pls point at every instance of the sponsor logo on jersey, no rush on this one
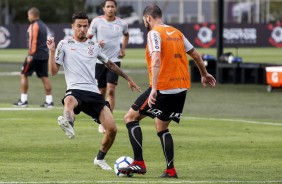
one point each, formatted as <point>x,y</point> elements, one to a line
<point>170,33</point>
<point>155,38</point>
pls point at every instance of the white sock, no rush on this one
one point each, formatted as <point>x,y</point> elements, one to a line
<point>49,98</point>
<point>24,97</point>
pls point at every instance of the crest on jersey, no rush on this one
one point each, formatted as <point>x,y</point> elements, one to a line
<point>90,50</point>
<point>116,28</point>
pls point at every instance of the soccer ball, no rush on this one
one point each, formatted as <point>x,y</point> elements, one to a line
<point>121,162</point>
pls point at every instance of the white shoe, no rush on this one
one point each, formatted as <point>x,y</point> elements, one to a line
<point>66,127</point>
<point>101,129</point>
<point>102,163</point>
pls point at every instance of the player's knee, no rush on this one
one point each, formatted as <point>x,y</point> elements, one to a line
<point>112,131</point>
<point>129,116</point>
<point>102,91</point>
<point>111,93</point>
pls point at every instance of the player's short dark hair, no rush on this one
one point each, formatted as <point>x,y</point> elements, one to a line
<point>153,10</point>
<point>79,15</point>
<point>34,11</point>
<point>104,3</point>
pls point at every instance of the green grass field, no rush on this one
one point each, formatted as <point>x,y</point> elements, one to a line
<point>136,57</point>
<point>228,134</point>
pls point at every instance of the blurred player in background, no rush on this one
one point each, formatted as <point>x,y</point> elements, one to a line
<point>78,56</point>
<point>108,30</point>
<point>169,80</point>
<point>37,59</point>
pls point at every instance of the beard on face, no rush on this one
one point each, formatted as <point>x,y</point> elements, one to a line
<point>148,27</point>
<point>81,37</point>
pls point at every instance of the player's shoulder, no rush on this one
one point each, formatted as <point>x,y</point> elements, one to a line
<point>67,41</point>
<point>163,27</point>
<point>120,21</point>
<point>98,18</point>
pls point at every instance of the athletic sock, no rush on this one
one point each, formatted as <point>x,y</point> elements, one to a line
<point>49,99</point>
<point>101,155</point>
<point>24,97</point>
<point>168,149</point>
<point>135,137</point>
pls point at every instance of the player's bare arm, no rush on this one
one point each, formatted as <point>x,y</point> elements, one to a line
<point>206,77</point>
<point>124,44</point>
<point>156,63</point>
<point>114,68</point>
<point>53,67</point>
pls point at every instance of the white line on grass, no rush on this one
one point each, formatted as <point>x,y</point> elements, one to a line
<point>214,119</point>
<point>21,109</point>
<point>183,117</point>
<point>16,73</point>
<point>235,120</point>
<point>137,181</point>
<point>27,108</point>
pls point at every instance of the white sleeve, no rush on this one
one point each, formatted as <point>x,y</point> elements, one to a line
<point>125,29</point>
<point>93,27</point>
<point>154,41</point>
<point>188,46</point>
<point>101,56</point>
<point>60,54</point>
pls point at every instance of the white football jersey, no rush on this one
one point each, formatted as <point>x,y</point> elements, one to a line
<point>111,33</point>
<point>79,60</point>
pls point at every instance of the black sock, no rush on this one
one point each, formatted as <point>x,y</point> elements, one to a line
<point>101,155</point>
<point>168,149</point>
<point>135,137</point>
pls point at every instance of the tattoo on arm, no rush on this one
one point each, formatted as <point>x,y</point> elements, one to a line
<point>114,68</point>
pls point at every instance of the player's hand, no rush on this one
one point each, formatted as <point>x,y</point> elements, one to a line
<point>152,98</point>
<point>29,58</point>
<point>121,54</point>
<point>51,44</point>
<point>132,85</point>
<point>208,79</point>
<point>102,43</point>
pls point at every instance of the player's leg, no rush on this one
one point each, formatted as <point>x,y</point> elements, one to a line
<point>110,93</point>
<point>107,120</point>
<point>42,73</point>
<point>167,146</point>
<point>48,88</point>
<point>26,71</point>
<point>112,82</point>
<point>132,119</point>
<point>24,84</point>
<point>170,106</point>
<point>101,76</point>
<point>66,122</point>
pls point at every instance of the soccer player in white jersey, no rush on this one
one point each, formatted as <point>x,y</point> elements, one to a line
<point>109,30</point>
<point>78,56</point>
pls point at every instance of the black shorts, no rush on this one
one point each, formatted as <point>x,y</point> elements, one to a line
<point>104,75</point>
<point>88,102</point>
<point>37,65</point>
<point>167,107</point>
